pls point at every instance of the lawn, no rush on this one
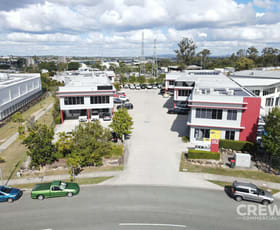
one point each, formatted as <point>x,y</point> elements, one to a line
<point>223,184</point>
<point>80,181</point>
<point>251,174</point>
<point>10,128</point>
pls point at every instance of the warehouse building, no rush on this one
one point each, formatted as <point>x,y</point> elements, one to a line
<point>218,107</point>
<point>84,95</point>
<point>16,91</point>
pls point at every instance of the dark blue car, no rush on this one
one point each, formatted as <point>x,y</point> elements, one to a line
<point>9,194</point>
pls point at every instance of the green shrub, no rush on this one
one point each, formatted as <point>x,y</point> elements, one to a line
<point>117,150</point>
<point>238,145</point>
<point>200,154</point>
<point>185,139</point>
<point>2,160</point>
<point>58,120</point>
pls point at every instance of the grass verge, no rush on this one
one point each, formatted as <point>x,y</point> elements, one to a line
<point>251,174</point>
<point>223,184</point>
<point>80,181</point>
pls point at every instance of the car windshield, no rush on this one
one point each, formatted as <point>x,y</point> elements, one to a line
<point>260,191</point>
<point>6,189</point>
<point>62,185</point>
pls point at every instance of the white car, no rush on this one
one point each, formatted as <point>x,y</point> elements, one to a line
<point>154,86</point>
<point>149,87</point>
<point>123,98</point>
<point>131,86</point>
<point>138,87</point>
<point>83,119</point>
<point>126,86</point>
<point>94,116</point>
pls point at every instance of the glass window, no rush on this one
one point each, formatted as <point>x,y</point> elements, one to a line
<point>268,91</point>
<point>99,100</point>
<point>269,101</point>
<point>73,100</point>
<point>230,135</point>
<point>232,115</point>
<point>199,134</point>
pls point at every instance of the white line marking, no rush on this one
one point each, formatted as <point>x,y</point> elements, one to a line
<point>150,224</point>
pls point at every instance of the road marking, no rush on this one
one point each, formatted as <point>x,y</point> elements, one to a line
<point>150,224</point>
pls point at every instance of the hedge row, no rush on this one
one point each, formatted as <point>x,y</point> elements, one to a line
<point>238,145</point>
<point>200,154</point>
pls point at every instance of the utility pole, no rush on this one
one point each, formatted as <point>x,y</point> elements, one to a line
<point>142,60</point>
<point>155,66</point>
<point>1,176</point>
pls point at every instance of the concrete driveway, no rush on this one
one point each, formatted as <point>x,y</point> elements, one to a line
<point>155,145</point>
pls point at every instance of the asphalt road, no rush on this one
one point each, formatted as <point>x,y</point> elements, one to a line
<point>130,207</point>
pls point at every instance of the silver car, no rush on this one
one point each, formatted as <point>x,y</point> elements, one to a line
<point>250,192</point>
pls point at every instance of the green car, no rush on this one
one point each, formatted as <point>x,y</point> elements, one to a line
<point>54,189</point>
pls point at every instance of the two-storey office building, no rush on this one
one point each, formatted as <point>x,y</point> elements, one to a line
<point>16,91</point>
<point>265,84</point>
<point>219,107</point>
<point>83,95</point>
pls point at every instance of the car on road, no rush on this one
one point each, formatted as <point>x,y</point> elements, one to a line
<point>178,110</point>
<point>9,194</point>
<point>126,105</point>
<point>54,189</point>
<point>107,117</point>
<point>118,100</point>
<point>250,192</point>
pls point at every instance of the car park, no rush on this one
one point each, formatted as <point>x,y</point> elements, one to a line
<point>126,105</point>
<point>9,194</point>
<point>178,110</point>
<point>250,192</point>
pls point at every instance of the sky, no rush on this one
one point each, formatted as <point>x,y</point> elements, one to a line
<point>114,27</point>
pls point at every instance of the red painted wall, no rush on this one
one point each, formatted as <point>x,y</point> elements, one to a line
<point>215,145</point>
<point>250,118</point>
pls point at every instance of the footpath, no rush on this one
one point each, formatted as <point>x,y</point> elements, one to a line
<point>14,137</point>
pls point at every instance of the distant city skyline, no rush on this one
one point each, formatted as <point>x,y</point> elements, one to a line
<point>111,28</point>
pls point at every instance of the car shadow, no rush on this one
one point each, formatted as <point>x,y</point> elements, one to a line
<point>228,191</point>
<point>179,125</point>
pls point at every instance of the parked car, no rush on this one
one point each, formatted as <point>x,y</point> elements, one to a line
<point>107,117</point>
<point>123,98</point>
<point>181,104</point>
<point>250,192</point>
<point>155,87</point>
<point>161,91</point>
<point>137,87</point>
<point>126,86</point>
<point>9,194</point>
<point>149,86</point>
<point>132,86</point>
<point>159,86</point>
<point>94,116</point>
<point>54,189</point>
<point>118,101</point>
<point>126,105</point>
<point>143,86</point>
<point>83,118</point>
<point>178,110</point>
<point>121,93</point>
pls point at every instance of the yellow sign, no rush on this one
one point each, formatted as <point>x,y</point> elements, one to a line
<point>215,134</point>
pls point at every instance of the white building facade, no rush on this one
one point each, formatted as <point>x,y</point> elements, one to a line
<point>218,107</point>
<point>16,91</point>
<point>81,96</point>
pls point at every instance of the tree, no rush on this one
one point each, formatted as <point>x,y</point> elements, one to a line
<point>90,142</point>
<point>141,79</point>
<point>73,66</point>
<point>252,53</point>
<point>186,51</point>
<point>123,79</point>
<point>39,144</point>
<point>151,81</point>
<point>241,53</point>
<point>117,86</point>
<point>63,145</point>
<point>17,118</point>
<point>244,63</point>
<point>204,54</point>
<point>122,122</point>
<point>271,139</point>
<point>132,79</point>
